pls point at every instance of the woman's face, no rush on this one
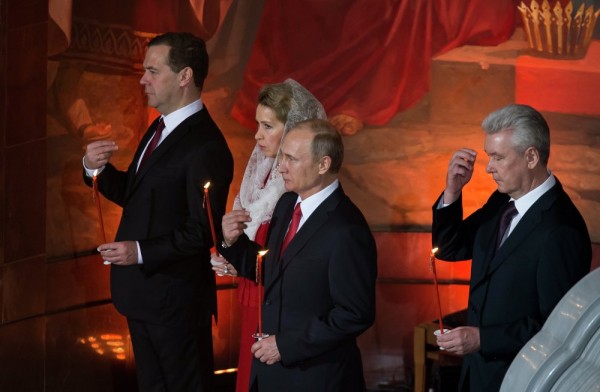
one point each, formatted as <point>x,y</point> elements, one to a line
<point>269,132</point>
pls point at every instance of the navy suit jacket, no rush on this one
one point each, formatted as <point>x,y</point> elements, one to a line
<point>163,210</point>
<point>319,295</point>
<point>513,289</point>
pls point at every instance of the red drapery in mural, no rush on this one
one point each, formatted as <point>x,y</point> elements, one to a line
<point>364,58</point>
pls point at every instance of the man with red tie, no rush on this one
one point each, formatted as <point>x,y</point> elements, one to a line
<point>161,277</point>
<point>319,273</point>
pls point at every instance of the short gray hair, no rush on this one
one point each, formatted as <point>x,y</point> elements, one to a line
<point>529,127</point>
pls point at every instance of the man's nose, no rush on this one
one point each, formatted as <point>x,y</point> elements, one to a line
<point>281,166</point>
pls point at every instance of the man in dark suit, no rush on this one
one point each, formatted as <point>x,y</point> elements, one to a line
<point>517,275</point>
<point>161,277</point>
<point>319,292</point>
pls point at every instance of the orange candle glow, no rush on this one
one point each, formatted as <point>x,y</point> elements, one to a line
<point>210,217</point>
<point>99,208</point>
<point>259,282</point>
<point>435,283</point>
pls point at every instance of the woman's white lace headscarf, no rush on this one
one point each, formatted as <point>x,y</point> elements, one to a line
<point>255,196</point>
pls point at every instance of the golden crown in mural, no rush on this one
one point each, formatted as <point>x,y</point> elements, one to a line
<point>555,30</point>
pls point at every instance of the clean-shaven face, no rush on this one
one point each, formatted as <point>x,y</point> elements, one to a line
<point>269,131</point>
<point>300,174</point>
<point>508,167</point>
<point>160,83</point>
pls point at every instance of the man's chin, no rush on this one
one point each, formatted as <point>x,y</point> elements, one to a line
<point>288,186</point>
<point>501,189</point>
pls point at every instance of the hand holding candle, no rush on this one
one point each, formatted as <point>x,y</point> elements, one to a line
<point>259,281</point>
<point>96,196</point>
<point>210,217</point>
<point>437,291</point>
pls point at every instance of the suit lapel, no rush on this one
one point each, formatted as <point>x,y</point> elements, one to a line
<point>527,224</point>
<point>131,171</point>
<point>171,140</point>
<point>316,220</point>
<point>487,235</point>
<point>281,227</point>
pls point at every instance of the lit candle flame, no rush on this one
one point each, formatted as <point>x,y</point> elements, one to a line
<point>211,223</point>
<point>263,252</point>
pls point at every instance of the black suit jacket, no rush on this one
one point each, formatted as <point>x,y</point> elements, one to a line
<point>163,210</point>
<point>319,295</point>
<point>513,289</point>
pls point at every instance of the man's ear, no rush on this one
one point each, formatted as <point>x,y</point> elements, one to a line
<point>532,155</point>
<point>186,76</point>
<point>324,164</point>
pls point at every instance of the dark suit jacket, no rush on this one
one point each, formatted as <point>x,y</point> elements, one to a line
<point>163,210</point>
<point>319,295</point>
<point>514,289</point>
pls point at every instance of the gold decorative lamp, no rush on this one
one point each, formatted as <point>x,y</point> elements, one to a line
<point>554,30</point>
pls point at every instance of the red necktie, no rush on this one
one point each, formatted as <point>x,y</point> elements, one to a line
<point>154,142</point>
<point>509,213</point>
<point>293,227</point>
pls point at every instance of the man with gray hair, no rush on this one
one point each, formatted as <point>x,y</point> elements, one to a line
<point>528,244</point>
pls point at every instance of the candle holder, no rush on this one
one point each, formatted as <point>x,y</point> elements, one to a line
<point>260,335</point>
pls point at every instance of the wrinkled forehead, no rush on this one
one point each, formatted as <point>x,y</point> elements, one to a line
<point>498,143</point>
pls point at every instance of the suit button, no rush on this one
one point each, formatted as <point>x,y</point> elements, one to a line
<point>473,309</point>
<point>268,303</point>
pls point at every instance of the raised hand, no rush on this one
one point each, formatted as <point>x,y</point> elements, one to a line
<point>98,153</point>
<point>233,225</point>
<point>460,171</point>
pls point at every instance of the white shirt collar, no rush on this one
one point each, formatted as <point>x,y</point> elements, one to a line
<point>172,120</point>
<point>526,201</point>
<point>310,204</point>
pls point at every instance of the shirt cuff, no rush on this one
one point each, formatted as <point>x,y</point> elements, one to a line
<point>140,260</point>
<point>441,204</point>
<point>90,172</point>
